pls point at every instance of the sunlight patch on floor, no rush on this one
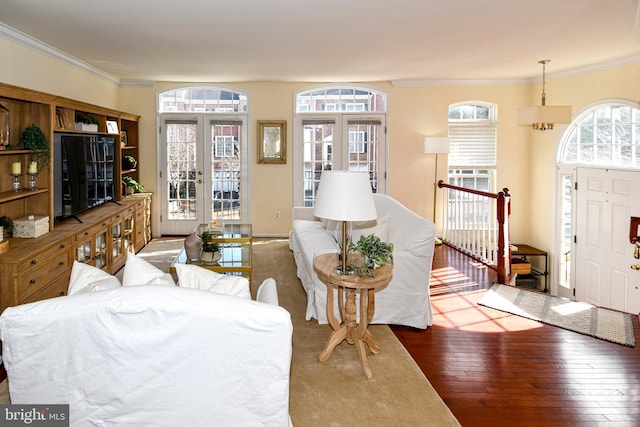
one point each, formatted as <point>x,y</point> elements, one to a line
<point>461,310</point>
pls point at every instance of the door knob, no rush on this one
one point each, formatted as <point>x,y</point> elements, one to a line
<point>199,181</point>
<point>635,266</point>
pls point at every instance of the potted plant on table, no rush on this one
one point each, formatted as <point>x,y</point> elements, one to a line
<point>376,253</point>
<point>210,250</point>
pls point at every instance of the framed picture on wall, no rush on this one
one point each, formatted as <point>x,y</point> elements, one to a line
<point>272,141</point>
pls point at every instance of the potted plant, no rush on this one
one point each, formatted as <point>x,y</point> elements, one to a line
<point>36,142</point>
<point>86,123</point>
<point>132,186</point>
<point>210,250</point>
<point>129,162</point>
<point>7,224</point>
<point>376,253</point>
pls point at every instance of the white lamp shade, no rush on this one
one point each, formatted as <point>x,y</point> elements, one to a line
<point>345,196</point>
<point>544,114</point>
<point>436,145</point>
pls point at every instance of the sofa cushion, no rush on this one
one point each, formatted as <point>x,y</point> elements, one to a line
<point>87,278</point>
<point>137,272</point>
<point>195,277</point>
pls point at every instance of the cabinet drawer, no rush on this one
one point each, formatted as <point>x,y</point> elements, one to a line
<point>34,279</point>
<point>96,229</point>
<point>42,256</point>
<point>56,289</point>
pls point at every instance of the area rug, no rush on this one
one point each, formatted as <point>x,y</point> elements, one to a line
<point>335,393</point>
<point>580,317</point>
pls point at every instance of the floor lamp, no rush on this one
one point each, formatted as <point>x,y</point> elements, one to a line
<point>436,145</point>
<point>345,196</point>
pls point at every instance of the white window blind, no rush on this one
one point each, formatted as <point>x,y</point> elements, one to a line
<point>472,145</point>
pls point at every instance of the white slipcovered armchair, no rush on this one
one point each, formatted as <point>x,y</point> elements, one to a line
<point>151,356</point>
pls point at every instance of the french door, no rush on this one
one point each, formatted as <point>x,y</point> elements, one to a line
<point>204,173</point>
<point>338,142</point>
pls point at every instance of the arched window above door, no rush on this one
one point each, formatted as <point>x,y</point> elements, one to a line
<point>340,99</point>
<point>202,99</point>
<point>607,134</point>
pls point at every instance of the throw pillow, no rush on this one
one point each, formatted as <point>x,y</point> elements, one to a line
<point>137,272</point>
<point>86,278</point>
<point>268,292</point>
<point>193,276</point>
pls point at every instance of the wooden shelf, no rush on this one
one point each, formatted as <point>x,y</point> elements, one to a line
<point>13,152</point>
<point>9,196</point>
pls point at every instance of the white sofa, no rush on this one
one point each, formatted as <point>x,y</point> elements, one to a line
<point>151,356</point>
<point>406,300</point>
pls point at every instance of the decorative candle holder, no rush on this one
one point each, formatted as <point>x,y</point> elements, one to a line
<point>16,181</point>
<point>32,181</point>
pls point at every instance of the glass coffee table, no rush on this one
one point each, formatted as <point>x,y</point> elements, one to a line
<point>236,250</point>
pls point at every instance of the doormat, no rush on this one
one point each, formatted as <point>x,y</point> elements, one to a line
<point>580,317</point>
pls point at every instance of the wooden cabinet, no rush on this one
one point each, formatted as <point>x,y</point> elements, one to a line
<point>40,268</point>
<point>54,114</point>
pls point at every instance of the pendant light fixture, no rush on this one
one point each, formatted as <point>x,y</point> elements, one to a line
<point>543,117</point>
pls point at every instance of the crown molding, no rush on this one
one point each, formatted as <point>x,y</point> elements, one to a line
<point>19,37</point>
<point>461,82</point>
<point>616,63</point>
<point>137,83</point>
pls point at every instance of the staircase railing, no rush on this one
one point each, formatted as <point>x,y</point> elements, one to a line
<point>477,223</point>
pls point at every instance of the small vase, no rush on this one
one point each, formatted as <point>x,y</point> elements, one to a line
<point>193,246</point>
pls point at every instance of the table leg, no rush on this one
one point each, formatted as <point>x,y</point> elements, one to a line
<point>331,317</point>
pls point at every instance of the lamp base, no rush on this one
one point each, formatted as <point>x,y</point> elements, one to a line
<point>347,271</point>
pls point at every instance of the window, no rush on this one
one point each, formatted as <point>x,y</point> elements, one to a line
<point>340,128</point>
<point>473,143</point>
<point>607,135</point>
<point>203,100</point>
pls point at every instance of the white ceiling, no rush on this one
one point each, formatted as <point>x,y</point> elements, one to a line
<point>333,40</point>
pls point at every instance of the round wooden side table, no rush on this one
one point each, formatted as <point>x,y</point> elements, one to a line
<point>348,286</point>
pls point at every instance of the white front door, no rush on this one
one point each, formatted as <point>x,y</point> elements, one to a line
<point>204,174</point>
<point>606,199</point>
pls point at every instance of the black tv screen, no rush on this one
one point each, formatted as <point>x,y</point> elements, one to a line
<point>84,167</point>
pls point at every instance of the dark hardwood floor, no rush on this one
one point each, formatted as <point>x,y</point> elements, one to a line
<point>496,369</point>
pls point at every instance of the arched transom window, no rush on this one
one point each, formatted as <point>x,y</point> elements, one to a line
<point>202,100</point>
<point>607,135</point>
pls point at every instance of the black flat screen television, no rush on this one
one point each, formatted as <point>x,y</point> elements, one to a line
<point>84,168</point>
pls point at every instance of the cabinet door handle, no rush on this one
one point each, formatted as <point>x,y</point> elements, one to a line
<point>34,262</point>
<point>62,246</point>
<point>61,263</point>
<point>32,281</point>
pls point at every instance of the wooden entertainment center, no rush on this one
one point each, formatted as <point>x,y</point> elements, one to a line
<point>32,269</point>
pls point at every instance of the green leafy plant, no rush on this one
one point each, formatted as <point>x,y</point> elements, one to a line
<point>7,223</point>
<point>86,119</point>
<point>207,244</point>
<point>129,162</point>
<point>36,142</point>
<point>130,182</point>
<point>376,253</point>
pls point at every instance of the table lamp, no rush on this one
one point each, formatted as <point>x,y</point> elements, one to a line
<point>345,196</point>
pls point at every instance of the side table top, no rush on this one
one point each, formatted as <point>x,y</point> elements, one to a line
<point>325,268</point>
